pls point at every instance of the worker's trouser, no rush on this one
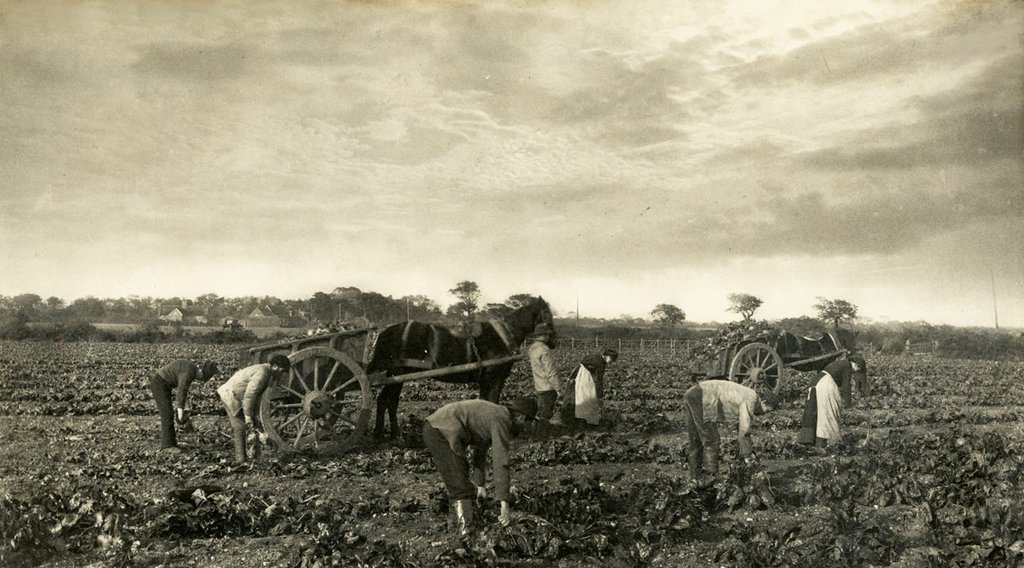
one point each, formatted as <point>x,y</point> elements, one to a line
<point>238,436</point>
<point>703,436</point>
<point>546,404</point>
<point>454,469</point>
<point>162,396</point>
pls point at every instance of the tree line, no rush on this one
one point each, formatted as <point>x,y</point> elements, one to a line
<point>344,304</point>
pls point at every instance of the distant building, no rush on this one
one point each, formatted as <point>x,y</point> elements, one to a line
<point>278,315</point>
<point>186,315</point>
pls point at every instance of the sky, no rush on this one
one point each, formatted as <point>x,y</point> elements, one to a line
<point>610,155</point>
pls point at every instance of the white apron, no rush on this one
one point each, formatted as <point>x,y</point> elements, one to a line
<point>587,406</point>
<point>830,405</point>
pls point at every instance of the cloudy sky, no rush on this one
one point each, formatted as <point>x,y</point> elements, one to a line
<point>623,153</point>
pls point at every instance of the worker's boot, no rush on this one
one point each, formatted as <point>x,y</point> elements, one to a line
<point>693,458</point>
<point>463,515</point>
<point>711,460</point>
<point>239,439</point>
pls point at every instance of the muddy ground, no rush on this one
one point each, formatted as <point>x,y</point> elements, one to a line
<point>84,484</point>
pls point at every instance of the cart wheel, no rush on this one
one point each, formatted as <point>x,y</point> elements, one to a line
<point>757,364</point>
<point>325,397</point>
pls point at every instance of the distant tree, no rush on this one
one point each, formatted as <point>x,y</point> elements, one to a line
<point>53,306</point>
<point>88,308</point>
<point>141,309</point>
<point>420,308</point>
<point>835,311</point>
<point>468,294</point>
<point>211,304</point>
<point>805,326</point>
<point>744,305</point>
<point>382,309</point>
<point>27,304</point>
<point>321,307</point>
<point>668,315</point>
<point>516,301</point>
<point>496,310</point>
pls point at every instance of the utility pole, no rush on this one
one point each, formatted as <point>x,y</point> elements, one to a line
<point>577,310</point>
<point>995,309</point>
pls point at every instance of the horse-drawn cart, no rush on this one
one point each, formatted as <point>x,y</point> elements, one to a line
<point>328,392</point>
<point>764,360</point>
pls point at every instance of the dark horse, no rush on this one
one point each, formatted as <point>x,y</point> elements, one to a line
<point>413,346</point>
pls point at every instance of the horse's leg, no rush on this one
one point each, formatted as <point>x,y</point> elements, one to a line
<point>491,385</point>
<point>378,424</point>
<point>393,410</point>
<point>387,403</point>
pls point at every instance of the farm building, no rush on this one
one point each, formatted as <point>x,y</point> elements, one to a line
<point>186,315</point>
<point>278,315</point>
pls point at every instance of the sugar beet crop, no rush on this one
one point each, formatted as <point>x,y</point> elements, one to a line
<point>928,474</point>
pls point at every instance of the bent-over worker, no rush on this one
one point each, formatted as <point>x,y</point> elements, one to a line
<point>823,407</point>
<point>584,393</point>
<point>475,424</point>
<point>241,396</point>
<point>709,403</point>
<point>178,374</point>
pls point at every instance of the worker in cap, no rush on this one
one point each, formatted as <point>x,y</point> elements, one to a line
<point>173,407</point>
<point>459,435</point>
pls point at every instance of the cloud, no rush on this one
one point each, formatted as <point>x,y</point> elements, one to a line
<point>979,123</point>
<point>935,41</point>
<point>195,62</point>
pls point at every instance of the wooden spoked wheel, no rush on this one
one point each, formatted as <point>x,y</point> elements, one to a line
<point>325,397</point>
<point>757,365</point>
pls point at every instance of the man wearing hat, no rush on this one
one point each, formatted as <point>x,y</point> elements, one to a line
<point>545,375</point>
<point>458,427</point>
<point>178,374</point>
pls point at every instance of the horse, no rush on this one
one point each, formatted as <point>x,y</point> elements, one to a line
<point>412,346</point>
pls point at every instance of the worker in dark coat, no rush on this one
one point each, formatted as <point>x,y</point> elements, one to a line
<point>458,428</point>
<point>823,406</point>
<point>710,403</point>
<point>575,413</point>
<point>176,375</point>
<point>845,372</point>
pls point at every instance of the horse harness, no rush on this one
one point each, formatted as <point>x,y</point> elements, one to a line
<point>434,347</point>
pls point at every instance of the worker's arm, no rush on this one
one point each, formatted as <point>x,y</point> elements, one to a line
<point>478,466</point>
<point>253,393</point>
<point>500,436</point>
<point>185,378</point>
<point>746,413</point>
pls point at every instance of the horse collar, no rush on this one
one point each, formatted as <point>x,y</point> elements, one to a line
<point>502,329</point>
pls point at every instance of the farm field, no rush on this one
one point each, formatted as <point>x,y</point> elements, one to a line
<point>929,473</point>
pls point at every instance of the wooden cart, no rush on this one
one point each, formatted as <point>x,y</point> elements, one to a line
<point>764,361</point>
<point>327,394</point>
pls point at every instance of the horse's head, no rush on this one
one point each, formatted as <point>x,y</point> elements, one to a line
<point>522,321</point>
<point>544,314</point>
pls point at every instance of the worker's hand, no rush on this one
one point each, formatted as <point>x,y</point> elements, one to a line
<point>180,414</point>
<point>481,492</point>
<point>262,436</point>
<point>248,423</point>
<point>506,514</point>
